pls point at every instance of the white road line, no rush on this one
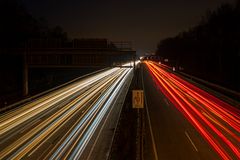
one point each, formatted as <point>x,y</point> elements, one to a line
<point>166,101</point>
<point>191,141</point>
<point>99,133</point>
<point>149,122</point>
<point>104,123</point>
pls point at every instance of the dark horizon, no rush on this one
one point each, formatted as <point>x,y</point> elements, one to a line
<point>143,22</point>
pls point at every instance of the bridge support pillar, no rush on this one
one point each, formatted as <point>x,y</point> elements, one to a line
<point>25,75</point>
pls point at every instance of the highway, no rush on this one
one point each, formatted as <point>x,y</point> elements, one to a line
<point>185,121</point>
<point>61,124</point>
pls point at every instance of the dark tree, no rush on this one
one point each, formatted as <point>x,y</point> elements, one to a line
<point>17,29</point>
<point>211,49</point>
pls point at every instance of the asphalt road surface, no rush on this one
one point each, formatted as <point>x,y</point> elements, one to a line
<point>66,123</point>
<point>186,122</point>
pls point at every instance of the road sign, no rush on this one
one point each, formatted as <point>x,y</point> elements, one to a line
<point>137,99</point>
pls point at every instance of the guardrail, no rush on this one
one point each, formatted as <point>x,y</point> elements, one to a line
<point>225,91</point>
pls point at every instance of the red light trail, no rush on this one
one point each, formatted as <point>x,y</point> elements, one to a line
<point>217,121</point>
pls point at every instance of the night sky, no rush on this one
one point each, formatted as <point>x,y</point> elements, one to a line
<point>144,22</point>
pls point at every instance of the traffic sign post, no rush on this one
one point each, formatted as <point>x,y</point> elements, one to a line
<point>137,99</point>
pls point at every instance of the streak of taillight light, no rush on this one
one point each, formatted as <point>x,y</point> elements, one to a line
<point>220,125</point>
<point>220,110</point>
<point>228,116</point>
<point>224,106</point>
<point>234,149</point>
<point>225,116</point>
<point>177,102</point>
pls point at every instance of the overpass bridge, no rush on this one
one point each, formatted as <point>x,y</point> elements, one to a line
<point>79,53</point>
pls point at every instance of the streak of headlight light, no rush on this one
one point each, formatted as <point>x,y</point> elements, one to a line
<point>77,129</point>
<point>78,150</point>
<point>127,64</point>
<point>130,63</point>
<point>74,132</point>
<point>42,131</point>
<point>87,136</point>
<point>74,89</point>
<point>137,62</point>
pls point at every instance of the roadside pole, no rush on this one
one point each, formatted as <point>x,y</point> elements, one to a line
<point>25,73</point>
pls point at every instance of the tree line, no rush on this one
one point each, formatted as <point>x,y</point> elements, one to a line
<point>18,26</point>
<point>211,49</point>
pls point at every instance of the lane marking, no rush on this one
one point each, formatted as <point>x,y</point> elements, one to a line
<point>166,101</point>
<point>191,141</point>
<point>107,118</point>
<point>149,122</point>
